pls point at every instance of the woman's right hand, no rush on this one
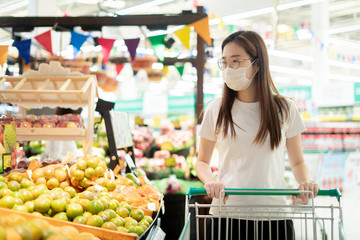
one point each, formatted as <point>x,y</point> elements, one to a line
<point>213,190</point>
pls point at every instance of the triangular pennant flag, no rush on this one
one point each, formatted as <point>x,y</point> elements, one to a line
<point>3,54</point>
<point>44,40</point>
<point>202,28</point>
<point>24,49</point>
<point>132,45</point>
<point>166,69</point>
<point>184,36</point>
<point>106,46</point>
<point>158,45</point>
<point>119,67</point>
<point>180,70</point>
<point>77,40</point>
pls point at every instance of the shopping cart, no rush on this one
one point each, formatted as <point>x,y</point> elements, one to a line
<point>316,220</point>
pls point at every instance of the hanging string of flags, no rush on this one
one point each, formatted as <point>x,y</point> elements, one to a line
<point>77,40</point>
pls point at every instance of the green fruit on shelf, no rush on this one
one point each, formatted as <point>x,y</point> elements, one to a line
<point>119,221</point>
<point>109,225</point>
<point>30,206</point>
<point>133,178</point>
<point>61,216</point>
<point>80,220</point>
<point>95,206</point>
<point>95,220</point>
<point>73,210</point>
<point>42,205</point>
<point>21,208</point>
<point>7,202</point>
<point>58,205</point>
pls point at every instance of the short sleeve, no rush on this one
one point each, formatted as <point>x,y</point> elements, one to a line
<point>207,127</point>
<point>295,123</point>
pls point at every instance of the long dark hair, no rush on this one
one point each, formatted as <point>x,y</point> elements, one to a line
<point>271,102</point>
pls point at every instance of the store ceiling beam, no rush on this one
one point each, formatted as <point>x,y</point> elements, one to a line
<point>166,62</point>
<point>90,23</point>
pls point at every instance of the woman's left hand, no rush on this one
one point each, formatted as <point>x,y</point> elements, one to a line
<point>308,186</point>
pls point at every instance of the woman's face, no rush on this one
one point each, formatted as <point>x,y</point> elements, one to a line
<point>234,52</point>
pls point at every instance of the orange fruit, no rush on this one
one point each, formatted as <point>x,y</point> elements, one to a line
<point>73,210</point>
<point>137,214</point>
<point>42,205</point>
<point>92,162</point>
<point>105,202</point>
<point>11,234</point>
<point>41,180</point>
<point>104,216</point>
<point>122,229</point>
<point>2,185</point>
<point>135,229</point>
<point>38,173</point>
<point>80,219</point>
<point>119,221</point>
<point>7,202</point>
<point>87,195</point>
<point>111,185</point>
<point>81,164</point>
<point>125,205</point>
<point>109,225</point>
<point>61,216</point>
<point>58,205</point>
<point>111,213</point>
<point>85,182</point>
<point>54,195</point>
<point>71,191</point>
<point>95,206</point>
<point>64,184</point>
<point>2,233</point>
<point>113,204</point>
<point>5,192</point>
<point>100,171</point>
<point>18,201</point>
<point>13,186</point>
<point>49,172</point>
<point>30,205</point>
<point>37,214</point>
<point>26,183</point>
<point>69,231</point>
<point>24,231</point>
<point>84,203</point>
<point>89,172</point>
<point>87,215</point>
<point>17,195</point>
<point>60,175</point>
<point>148,219</point>
<point>35,229</point>
<point>95,220</point>
<point>27,195</point>
<point>79,174</point>
<point>101,181</point>
<point>122,212</point>
<point>72,169</point>
<point>52,183</point>
<point>21,208</point>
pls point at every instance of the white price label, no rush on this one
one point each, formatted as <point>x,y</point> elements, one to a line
<point>151,206</point>
<point>97,189</point>
<point>68,169</point>
<point>112,177</point>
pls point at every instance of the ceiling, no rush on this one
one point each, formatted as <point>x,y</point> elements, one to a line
<point>320,30</point>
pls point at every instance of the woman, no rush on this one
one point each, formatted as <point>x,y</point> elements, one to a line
<point>252,125</point>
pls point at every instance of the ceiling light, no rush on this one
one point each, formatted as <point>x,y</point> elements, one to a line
<point>347,43</point>
<point>290,55</point>
<point>296,4</point>
<point>301,72</point>
<point>342,29</point>
<point>7,8</point>
<point>343,77</point>
<point>305,82</point>
<point>280,79</point>
<point>344,64</point>
<point>142,7</point>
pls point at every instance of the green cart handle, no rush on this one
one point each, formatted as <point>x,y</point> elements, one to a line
<point>251,191</point>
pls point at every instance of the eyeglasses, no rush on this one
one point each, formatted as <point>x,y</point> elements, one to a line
<point>234,62</point>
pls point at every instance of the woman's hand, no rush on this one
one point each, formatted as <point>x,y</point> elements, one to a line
<point>213,190</point>
<point>308,186</point>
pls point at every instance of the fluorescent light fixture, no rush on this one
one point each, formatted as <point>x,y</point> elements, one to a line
<point>347,43</point>
<point>305,82</point>
<point>268,10</point>
<point>344,77</point>
<point>344,64</point>
<point>301,72</point>
<point>142,7</point>
<point>342,29</point>
<point>303,34</point>
<point>290,55</point>
<point>10,7</point>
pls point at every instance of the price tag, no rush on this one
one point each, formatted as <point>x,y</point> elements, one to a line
<point>170,162</point>
<point>112,177</point>
<point>176,124</point>
<point>29,172</point>
<point>68,169</point>
<point>129,161</point>
<point>151,206</point>
<point>97,189</point>
<point>167,146</point>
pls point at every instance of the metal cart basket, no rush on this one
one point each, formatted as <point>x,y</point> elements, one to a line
<point>315,220</point>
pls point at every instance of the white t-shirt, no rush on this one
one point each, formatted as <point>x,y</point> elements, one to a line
<point>243,164</point>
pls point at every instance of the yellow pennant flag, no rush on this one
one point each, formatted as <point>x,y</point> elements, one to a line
<point>166,69</point>
<point>184,36</point>
<point>202,28</point>
<point>3,54</point>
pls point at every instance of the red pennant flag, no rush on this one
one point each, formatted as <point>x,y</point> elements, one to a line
<point>44,40</point>
<point>119,67</point>
<point>106,46</point>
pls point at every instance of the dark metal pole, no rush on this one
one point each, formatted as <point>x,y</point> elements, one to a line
<point>199,64</point>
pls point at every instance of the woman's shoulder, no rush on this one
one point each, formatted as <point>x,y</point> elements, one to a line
<point>214,103</point>
<point>286,102</point>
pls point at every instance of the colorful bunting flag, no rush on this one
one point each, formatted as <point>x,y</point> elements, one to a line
<point>106,46</point>
<point>44,40</point>
<point>24,49</point>
<point>202,28</point>
<point>3,54</point>
<point>119,67</point>
<point>77,40</point>
<point>158,45</point>
<point>166,69</point>
<point>180,70</point>
<point>132,45</point>
<point>184,36</point>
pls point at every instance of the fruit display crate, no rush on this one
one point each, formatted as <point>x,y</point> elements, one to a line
<point>103,234</point>
<point>52,86</point>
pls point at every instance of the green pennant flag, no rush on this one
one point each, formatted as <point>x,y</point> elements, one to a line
<point>158,45</point>
<point>231,28</point>
<point>180,70</point>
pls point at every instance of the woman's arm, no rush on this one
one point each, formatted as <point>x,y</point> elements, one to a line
<point>299,168</point>
<point>203,170</point>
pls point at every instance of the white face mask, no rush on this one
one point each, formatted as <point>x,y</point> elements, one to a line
<point>236,79</point>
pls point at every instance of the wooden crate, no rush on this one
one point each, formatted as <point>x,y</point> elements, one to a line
<point>103,234</point>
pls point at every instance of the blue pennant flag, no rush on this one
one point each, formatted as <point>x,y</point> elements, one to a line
<point>24,49</point>
<point>77,40</point>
